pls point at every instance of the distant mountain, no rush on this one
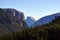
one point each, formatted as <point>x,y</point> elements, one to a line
<point>11,20</point>
<point>46,19</point>
<point>30,20</point>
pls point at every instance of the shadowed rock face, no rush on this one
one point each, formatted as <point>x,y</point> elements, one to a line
<point>15,13</point>
<point>11,20</point>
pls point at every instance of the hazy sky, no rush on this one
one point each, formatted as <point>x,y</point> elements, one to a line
<point>34,8</point>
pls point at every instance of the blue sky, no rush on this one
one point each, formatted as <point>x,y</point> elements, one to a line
<point>34,8</point>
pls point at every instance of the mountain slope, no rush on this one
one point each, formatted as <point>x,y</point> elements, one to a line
<point>46,19</point>
<point>30,21</point>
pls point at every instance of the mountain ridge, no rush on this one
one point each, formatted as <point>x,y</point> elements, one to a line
<point>46,19</point>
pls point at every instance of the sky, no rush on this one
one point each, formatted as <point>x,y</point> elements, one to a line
<point>34,8</point>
